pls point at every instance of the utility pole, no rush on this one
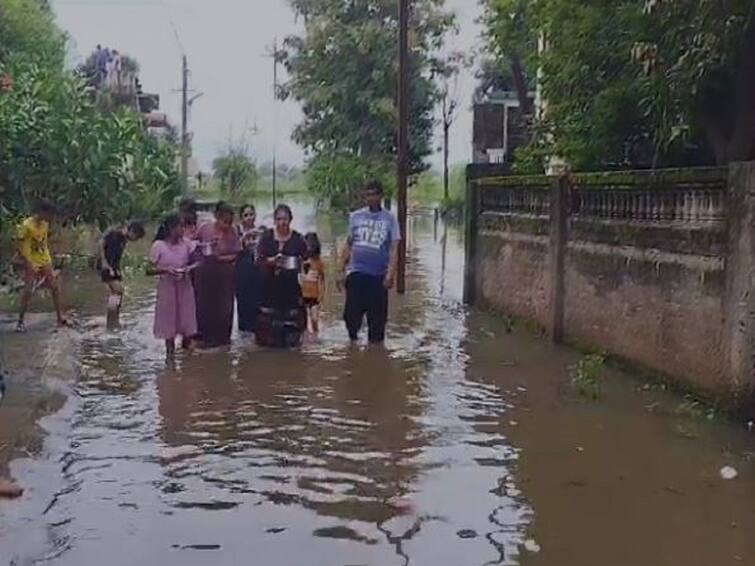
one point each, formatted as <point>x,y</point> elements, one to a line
<point>275,138</point>
<point>403,138</point>
<point>446,131</point>
<point>184,127</point>
<point>274,53</point>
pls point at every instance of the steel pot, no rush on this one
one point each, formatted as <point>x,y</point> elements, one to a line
<point>290,262</point>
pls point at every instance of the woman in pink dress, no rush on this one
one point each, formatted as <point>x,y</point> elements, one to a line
<point>215,278</point>
<point>175,310</point>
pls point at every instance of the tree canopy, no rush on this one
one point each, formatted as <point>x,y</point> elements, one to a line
<point>632,83</point>
<point>234,169</point>
<point>343,71</point>
<point>28,34</point>
<point>99,167</point>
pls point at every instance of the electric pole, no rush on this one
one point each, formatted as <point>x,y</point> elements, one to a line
<point>274,53</point>
<point>184,127</point>
<point>275,138</point>
<point>403,138</point>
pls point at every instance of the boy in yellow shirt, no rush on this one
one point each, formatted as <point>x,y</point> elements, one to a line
<point>36,259</point>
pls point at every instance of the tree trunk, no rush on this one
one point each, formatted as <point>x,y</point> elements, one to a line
<point>742,142</point>
<point>520,83</point>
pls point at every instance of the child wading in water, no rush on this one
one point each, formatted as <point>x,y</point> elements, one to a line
<point>36,261</point>
<point>313,282</point>
<point>109,264</point>
<point>175,310</point>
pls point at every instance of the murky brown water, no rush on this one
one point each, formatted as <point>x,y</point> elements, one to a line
<point>456,444</point>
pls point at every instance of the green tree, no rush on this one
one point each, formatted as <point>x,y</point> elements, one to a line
<point>56,144</point>
<point>594,116</point>
<point>28,34</point>
<point>629,83</point>
<point>699,60</point>
<point>54,141</point>
<point>343,71</point>
<point>235,170</point>
<point>337,179</point>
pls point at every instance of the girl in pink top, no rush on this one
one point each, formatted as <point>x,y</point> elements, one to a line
<point>175,310</point>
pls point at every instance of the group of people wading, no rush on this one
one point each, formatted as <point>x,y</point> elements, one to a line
<point>204,270</point>
<point>275,276</point>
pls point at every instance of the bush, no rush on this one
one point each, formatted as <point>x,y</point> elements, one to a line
<point>98,168</point>
<point>587,375</point>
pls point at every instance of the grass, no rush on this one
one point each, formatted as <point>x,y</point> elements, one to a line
<point>587,376</point>
<point>295,185</point>
<point>696,408</point>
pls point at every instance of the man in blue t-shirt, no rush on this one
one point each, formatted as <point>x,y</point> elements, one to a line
<point>369,259</point>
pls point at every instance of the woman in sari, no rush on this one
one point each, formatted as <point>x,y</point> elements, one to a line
<point>215,279</point>
<point>280,253</point>
<point>247,273</point>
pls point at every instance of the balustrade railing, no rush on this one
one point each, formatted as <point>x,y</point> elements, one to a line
<point>696,195</point>
<point>529,199</point>
<point>663,196</point>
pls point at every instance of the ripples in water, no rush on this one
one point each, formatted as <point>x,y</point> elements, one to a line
<point>384,456</point>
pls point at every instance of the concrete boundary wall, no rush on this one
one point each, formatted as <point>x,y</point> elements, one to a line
<point>653,266</point>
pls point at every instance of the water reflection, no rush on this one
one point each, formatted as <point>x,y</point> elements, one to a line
<point>380,456</point>
<point>437,449</point>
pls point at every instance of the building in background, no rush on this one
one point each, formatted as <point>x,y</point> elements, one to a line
<point>499,127</point>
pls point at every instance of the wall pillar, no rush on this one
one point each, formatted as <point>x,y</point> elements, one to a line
<point>559,215</point>
<point>472,215</point>
<point>739,298</point>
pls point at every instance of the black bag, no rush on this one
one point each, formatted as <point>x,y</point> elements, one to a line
<point>276,329</point>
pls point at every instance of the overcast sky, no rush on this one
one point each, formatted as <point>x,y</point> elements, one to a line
<point>225,41</point>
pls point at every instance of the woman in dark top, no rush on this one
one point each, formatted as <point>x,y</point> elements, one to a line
<point>247,273</point>
<point>215,278</point>
<point>280,285</point>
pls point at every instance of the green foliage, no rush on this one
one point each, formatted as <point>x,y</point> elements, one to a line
<point>697,61</point>
<point>289,180</point>
<point>696,408</point>
<point>427,188</point>
<point>235,171</point>
<point>587,375</point>
<point>28,34</point>
<point>337,180</point>
<point>55,143</point>
<point>343,72</point>
<point>628,83</point>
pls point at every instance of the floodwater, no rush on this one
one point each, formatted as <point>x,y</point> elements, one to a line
<point>460,443</point>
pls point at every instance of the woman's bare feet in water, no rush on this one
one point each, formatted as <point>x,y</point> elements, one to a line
<point>10,490</point>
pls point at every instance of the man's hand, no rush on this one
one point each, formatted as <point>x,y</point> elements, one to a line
<point>389,280</point>
<point>341,282</point>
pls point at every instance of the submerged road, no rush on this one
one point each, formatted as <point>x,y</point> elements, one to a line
<point>461,442</point>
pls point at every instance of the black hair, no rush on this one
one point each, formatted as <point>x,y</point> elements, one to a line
<point>243,207</point>
<point>187,205</point>
<point>374,186</point>
<point>166,227</point>
<point>45,206</point>
<point>136,227</point>
<point>189,218</point>
<point>314,249</point>
<point>283,208</point>
<point>223,208</point>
